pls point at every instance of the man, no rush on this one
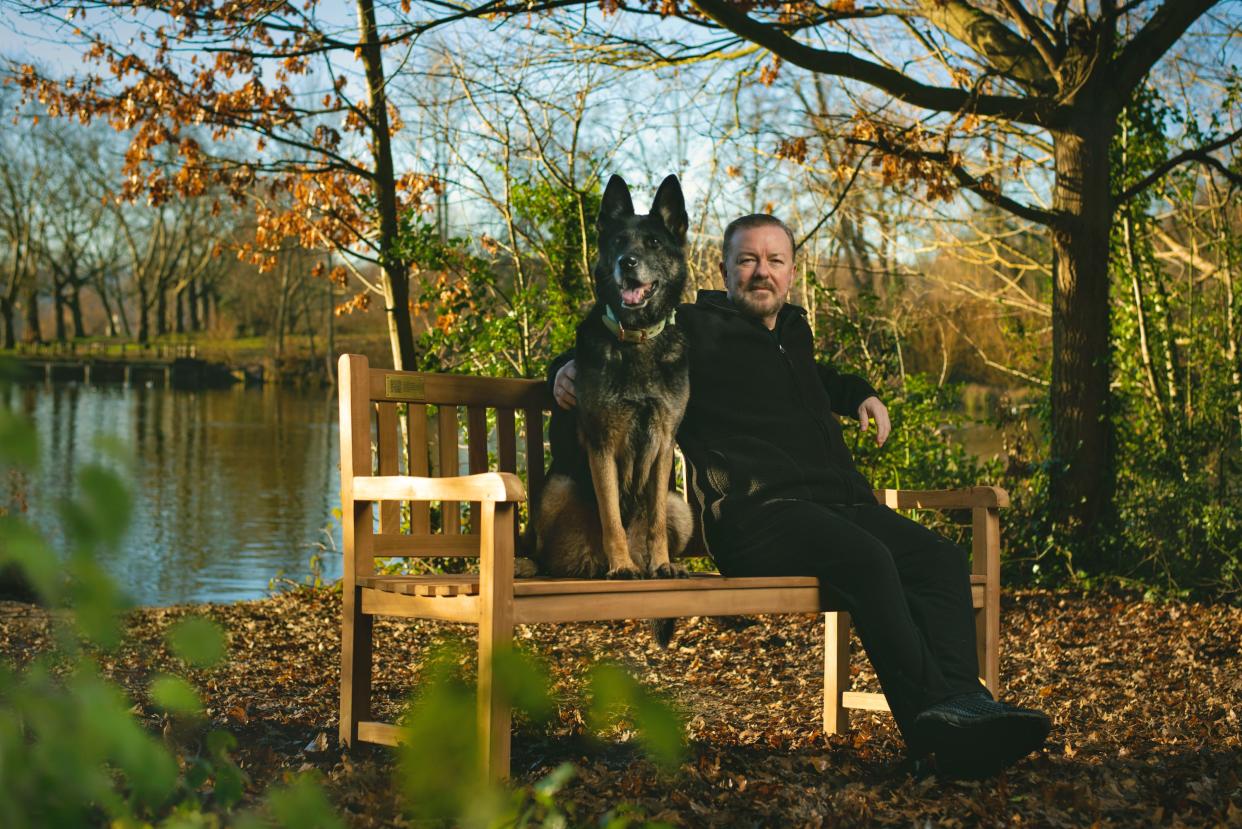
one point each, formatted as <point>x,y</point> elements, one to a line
<point>781,496</point>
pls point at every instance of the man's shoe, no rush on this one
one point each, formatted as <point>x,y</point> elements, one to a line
<point>974,737</point>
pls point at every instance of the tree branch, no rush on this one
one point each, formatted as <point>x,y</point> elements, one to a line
<point>1034,110</point>
<point>1200,154</point>
<point>1032,29</point>
<point>1002,50</point>
<point>984,190</point>
<point>1159,33</point>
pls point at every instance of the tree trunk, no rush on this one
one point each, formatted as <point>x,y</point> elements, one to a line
<point>282,310</point>
<point>144,315</point>
<point>161,311</point>
<point>191,300</point>
<point>1082,474</point>
<point>58,307</point>
<point>75,310</point>
<point>109,315</point>
<point>33,333</point>
<point>179,311</point>
<point>396,275</point>
<point>7,319</point>
<point>205,313</point>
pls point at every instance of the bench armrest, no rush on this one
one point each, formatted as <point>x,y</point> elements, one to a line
<point>975,496</point>
<point>485,486</point>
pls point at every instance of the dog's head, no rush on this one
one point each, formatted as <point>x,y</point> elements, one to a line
<point>641,268</point>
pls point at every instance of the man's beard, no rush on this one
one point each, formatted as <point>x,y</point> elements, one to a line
<point>759,304</point>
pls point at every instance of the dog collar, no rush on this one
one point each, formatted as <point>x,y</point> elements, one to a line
<point>635,335</point>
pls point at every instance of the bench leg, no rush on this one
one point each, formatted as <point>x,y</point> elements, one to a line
<point>495,634</point>
<point>836,671</point>
<point>495,717</point>
<point>985,559</point>
<point>355,666</point>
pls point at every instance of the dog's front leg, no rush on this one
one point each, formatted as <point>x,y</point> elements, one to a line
<point>656,504</point>
<point>608,497</point>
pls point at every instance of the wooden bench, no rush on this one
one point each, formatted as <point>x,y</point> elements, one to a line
<point>417,461</point>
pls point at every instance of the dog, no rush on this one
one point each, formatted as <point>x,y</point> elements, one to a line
<point>607,509</point>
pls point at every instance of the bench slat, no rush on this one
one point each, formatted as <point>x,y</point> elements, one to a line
<point>658,604</point>
<point>476,452</point>
<point>457,390</point>
<point>450,515</point>
<point>506,449</point>
<point>553,587</point>
<point>386,445</point>
<point>426,545</point>
<point>419,463</point>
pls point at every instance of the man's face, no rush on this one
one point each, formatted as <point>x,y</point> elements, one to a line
<point>758,271</point>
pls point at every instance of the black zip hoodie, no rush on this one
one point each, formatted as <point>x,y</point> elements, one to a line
<point>761,421</point>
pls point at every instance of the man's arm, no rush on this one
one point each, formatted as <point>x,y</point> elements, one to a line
<point>852,396</point>
<point>846,391</point>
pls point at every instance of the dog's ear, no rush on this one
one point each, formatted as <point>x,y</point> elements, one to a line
<point>670,207</point>
<point>616,203</point>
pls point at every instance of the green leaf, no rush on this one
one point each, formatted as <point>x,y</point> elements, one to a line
<point>230,784</point>
<point>105,503</point>
<point>19,444</point>
<point>614,694</point>
<point>523,682</point>
<point>175,695</point>
<point>303,805</point>
<point>197,640</point>
<point>23,546</point>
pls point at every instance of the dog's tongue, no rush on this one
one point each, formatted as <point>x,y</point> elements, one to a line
<point>633,296</point>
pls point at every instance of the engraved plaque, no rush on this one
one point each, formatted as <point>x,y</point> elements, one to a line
<point>403,388</point>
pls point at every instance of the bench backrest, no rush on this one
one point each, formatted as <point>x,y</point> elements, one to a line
<point>438,425</point>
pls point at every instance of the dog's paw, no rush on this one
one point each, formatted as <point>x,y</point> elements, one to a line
<point>624,572</point>
<point>670,571</point>
<point>524,568</point>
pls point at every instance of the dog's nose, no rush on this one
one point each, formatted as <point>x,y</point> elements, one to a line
<point>629,263</point>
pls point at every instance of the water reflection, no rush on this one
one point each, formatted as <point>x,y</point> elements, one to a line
<point>230,486</point>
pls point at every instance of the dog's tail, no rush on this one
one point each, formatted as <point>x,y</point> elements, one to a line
<point>662,630</point>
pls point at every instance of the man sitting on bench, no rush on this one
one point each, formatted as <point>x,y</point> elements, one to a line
<point>780,496</point>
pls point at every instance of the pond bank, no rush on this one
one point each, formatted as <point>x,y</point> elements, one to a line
<point>1144,698</point>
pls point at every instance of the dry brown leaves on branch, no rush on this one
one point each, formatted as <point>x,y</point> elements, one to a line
<point>1145,698</point>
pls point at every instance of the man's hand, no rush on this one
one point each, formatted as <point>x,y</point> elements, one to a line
<point>563,388</point>
<point>870,408</point>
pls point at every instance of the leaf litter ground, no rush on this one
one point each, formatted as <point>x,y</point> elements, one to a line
<point>1146,701</point>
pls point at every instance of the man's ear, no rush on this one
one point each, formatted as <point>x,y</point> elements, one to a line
<point>670,207</point>
<point>616,203</point>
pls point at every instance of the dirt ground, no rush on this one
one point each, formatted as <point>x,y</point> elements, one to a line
<point>1145,700</point>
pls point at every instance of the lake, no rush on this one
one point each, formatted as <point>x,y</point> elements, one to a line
<point>231,486</point>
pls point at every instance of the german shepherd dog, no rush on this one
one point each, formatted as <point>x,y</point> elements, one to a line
<point>606,508</point>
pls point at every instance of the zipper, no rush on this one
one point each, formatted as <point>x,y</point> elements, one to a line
<point>793,378</point>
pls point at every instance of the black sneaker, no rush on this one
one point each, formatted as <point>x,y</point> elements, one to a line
<point>975,737</point>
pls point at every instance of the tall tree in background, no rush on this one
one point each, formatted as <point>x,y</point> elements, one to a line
<point>1027,64</point>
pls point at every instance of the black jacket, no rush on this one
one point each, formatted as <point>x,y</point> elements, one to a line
<point>760,423</point>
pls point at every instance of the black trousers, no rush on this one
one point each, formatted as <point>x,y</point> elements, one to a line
<point>906,587</point>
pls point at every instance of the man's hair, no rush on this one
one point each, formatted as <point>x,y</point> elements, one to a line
<point>746,223</point>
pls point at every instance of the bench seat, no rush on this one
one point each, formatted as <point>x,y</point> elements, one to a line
<point>542,600</point>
